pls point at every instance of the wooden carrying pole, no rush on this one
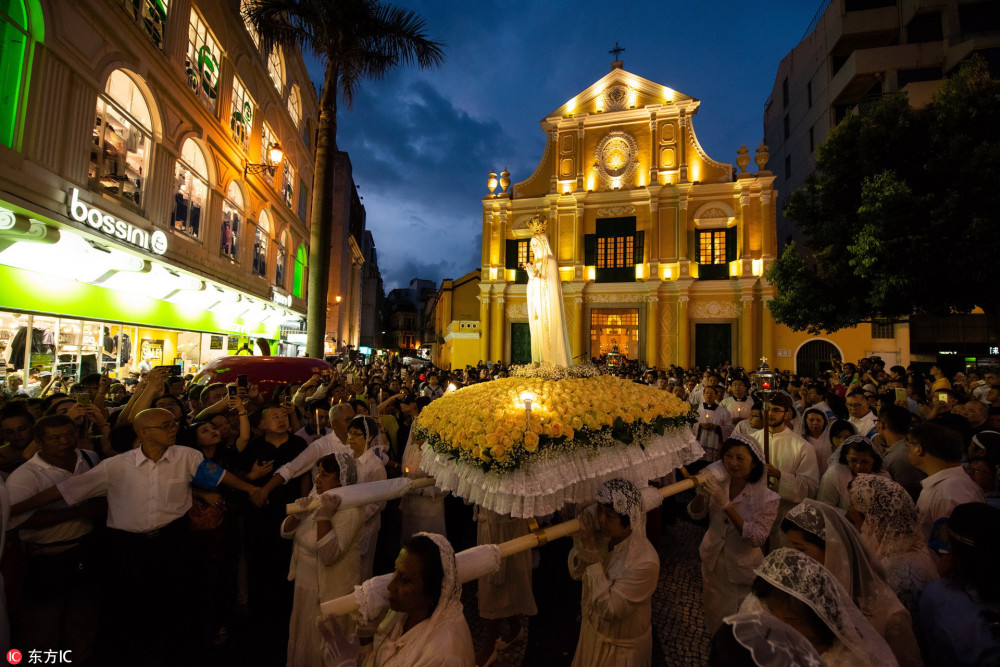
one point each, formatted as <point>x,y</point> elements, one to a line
<point>358,495</point>
<point>652,497</point>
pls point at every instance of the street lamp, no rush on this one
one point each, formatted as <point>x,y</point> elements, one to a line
<point>271,162</point>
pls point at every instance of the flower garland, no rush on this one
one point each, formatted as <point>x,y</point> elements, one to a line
<point>489,427</point>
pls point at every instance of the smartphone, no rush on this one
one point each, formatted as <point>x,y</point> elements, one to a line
<point>231,389</point>
<point>175,369</point>
<point>83,398</point>
<point>241,381</point>
<point>943,398</point>
<point>900,394</point>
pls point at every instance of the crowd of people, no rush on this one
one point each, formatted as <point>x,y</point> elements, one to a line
<point>852,521</point>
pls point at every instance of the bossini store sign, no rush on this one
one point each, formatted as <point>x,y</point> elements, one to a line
<point>119,229</point>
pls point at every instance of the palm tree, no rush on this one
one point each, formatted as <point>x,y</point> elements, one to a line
<point>356,39</point>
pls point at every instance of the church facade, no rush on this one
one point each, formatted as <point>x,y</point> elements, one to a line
<point>661,249</point>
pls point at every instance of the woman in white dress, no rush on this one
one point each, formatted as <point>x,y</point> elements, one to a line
<point>361,433</point>
<point>802,593</point>
<point>815,429</point>
<point>856,455</point>
<point>326,561</point>
<point>891,528</point>
<point>619,569</point>
<point>823,533</point>
<point>426,626</point>
<point>741,513</point>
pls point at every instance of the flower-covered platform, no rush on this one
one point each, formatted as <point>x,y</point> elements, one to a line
<point>524,446</point>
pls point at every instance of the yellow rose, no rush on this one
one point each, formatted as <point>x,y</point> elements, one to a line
<point>576,423</point>
<point>556,429</point>
<point>569,433</point>
<point>530,441</point>
<point>498,453</point>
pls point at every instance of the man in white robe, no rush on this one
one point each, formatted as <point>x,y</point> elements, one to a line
<point>714,424</point>
<point>792,469</point>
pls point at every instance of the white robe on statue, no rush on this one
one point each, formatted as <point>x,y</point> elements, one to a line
<point>546,317</point>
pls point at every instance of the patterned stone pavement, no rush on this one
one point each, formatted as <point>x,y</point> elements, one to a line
<point>680,639</point>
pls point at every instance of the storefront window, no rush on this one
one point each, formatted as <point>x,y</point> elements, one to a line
<point>279,261</point>
<point>295,106</point>
<point>260,245</point>
<point>190,189</point>
<point>275,70</point>
<point>253,33</point>
<point>232,219</point>
<point>288,183</point>
<point>241,120</point>
<point>14,33</point>
<point>202,64</point>
<point>266,139</point>
<point>300,271</point>
<point>121,141</point>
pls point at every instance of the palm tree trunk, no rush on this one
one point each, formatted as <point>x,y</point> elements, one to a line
<point>321,222</point>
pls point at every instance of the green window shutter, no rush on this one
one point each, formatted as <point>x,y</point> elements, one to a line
<point>639,246</point>
<point>511,256</point>
<point>731,243</point>
<point>590,249</point>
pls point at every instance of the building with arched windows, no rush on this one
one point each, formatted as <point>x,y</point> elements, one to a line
<point>661,249</point>
<point>141,212</point>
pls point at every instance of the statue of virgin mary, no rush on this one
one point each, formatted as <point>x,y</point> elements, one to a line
<point>546,317</point>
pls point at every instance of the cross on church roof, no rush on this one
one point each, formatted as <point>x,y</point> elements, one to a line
<point>617,51</point>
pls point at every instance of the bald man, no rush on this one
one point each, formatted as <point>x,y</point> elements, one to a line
<point>149,493</point>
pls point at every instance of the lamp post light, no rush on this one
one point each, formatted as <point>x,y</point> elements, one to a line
<point>271,161</point>
<point>763,381</point>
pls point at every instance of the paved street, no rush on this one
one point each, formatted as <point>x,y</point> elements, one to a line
<point>680,638</point>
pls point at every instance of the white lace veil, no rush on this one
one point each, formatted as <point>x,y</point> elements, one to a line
<point>624,498</point>
<point>848,441</point>
<point>771,642</point>
<point>891,522</point>
<point>847,555</point>
<point>806,580</point>
<point>348,468</point>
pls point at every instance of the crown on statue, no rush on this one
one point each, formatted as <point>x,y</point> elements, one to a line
<point>537,225</point>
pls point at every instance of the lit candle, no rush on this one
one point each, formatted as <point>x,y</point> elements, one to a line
<point>526,398</point>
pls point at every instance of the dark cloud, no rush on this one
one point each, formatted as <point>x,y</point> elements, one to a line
<point>423,142</point>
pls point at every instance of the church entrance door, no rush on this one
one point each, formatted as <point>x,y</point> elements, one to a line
<point>520,343</point>
<point>712,344</point>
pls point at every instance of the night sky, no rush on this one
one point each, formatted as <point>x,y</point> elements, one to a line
<point>423,142</point>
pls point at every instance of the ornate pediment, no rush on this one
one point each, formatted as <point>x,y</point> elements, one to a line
<point>618,91</point>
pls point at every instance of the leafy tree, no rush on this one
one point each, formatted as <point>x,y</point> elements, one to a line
<point>355,40</point>
<point>901,214</point>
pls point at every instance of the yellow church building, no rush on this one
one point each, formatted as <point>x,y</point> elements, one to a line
<point>662,249</point>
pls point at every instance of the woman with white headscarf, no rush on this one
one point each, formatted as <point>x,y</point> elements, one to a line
<point>855,456</point>
<point>760,639</point>
<point>741,512</point>
<point>891,529</point>
<point>802,593</point>
<point>619,569</point>
<point>426,626</point>
<point>326,560</point>
<point>546,316</point>
<point>823,533</point>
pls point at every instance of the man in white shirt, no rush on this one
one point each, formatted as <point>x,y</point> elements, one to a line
<point>792,469</point>
<point>937,451</point>
<point>60,602</point>
<point>149,493</point>
<point>860,415</point>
